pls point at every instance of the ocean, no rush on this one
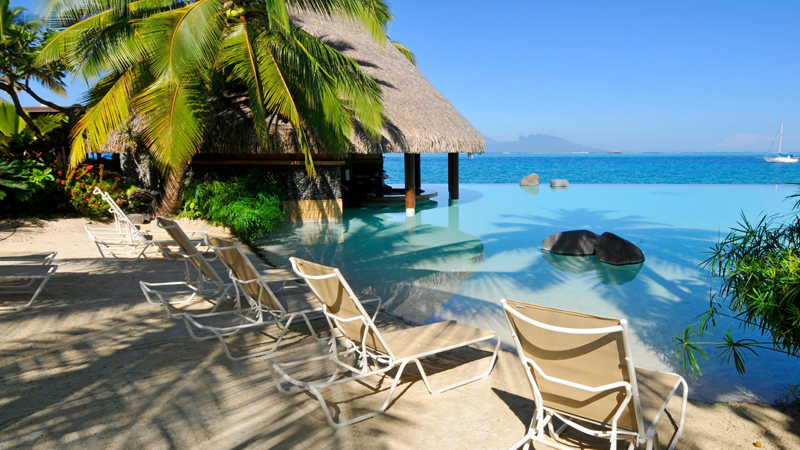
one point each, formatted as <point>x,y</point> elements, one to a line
<point>655,168</point>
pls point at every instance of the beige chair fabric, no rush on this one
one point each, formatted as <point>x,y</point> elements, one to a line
<point>17,257</point>
<point>187,249</point>
<point>263,308</point>
<point>239,265</point>
<point>375,353</point>
<point>593,360</point>
<point>22,279</point>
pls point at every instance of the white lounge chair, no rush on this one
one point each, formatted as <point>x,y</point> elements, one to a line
<point>581,372</point>
<point>23,257</point>
<point>200,278</point>
<point>21,279</point>
<point>125,239</point>
<point>376,353</point>
<point>263,308</point>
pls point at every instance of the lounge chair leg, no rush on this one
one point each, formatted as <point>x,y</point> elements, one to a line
<point>377,412</point>
<point>460,383</point>
<point>685,399</point>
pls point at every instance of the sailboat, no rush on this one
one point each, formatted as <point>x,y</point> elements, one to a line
<point>781,158</point>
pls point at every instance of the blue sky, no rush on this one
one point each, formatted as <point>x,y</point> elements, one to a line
<point>630,76</point>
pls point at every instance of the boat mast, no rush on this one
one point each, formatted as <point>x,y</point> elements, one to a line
<point>780,141</point>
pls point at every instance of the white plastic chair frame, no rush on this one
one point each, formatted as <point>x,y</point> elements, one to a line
<point>543,416</point>
<point>125,238</point>
<point>196,284</point>
<point>44,258</point>
<point>252,317</point>
<point>33,273</point>
<point>364,357</point>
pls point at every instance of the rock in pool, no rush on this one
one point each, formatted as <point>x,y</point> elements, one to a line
<point>559,183</point>
<point>612,249</point>
<point>530,180</point>
<point>572,243</point>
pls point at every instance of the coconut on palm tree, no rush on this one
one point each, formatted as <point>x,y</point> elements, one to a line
<point>164,61</point>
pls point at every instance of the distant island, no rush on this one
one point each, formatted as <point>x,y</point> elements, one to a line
<point>538,143</point>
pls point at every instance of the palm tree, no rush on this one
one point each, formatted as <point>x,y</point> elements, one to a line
<point>162,60</point>
<point>20,41</point>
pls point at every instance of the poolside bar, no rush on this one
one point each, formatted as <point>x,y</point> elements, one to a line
<point>411,182</point>
<point>452,176</point>
<point>418,120</point>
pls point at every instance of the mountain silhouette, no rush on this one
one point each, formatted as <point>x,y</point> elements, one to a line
<point>538,143</point>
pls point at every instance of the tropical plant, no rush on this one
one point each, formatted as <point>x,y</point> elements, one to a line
<point>22,178</point>
<point>20,43</point>
<point>15,132</point>
<point>248,205</point>
<point>759,268</point>
<point>163,60</point>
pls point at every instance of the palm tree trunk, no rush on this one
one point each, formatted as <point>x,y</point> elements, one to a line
<point>171,199</point>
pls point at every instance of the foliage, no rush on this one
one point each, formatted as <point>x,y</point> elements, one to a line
<point>406,52</point>
<point>248,205</point>
<point>16,135</point>
<point>164,60</point>
<point>80,183</point>
<point>21,41</point>
<point>790,398</point>
<point>759,266</point>
<point>23,178</point>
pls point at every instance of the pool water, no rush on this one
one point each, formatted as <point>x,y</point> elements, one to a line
<point>455,262</point>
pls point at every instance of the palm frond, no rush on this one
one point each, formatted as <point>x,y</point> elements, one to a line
<point>109,108</point>
<point>406,52</point>
<point>240,55</point>
<point>183,37</point>
<point>173,113</point>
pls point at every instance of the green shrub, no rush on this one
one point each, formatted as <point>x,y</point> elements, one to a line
<point>22,178</point>
<point>247,205</point>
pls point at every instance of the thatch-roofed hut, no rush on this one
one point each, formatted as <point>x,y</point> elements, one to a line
<point>418,119</point>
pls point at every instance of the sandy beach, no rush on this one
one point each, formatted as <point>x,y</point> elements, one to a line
<point>92,365</point>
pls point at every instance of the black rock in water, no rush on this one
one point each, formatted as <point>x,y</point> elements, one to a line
<point>614,250</point>
<point>572,243</point>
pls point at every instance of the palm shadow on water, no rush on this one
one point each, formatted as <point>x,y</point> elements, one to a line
<point>428,273</point>
<point>666,294</point>
<point>413,267</point>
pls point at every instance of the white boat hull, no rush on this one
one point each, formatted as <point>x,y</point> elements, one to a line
<point>781,159</point>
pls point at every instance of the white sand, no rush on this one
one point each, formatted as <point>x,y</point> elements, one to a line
<point>92,365</point>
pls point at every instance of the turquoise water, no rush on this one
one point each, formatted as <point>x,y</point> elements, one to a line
<point>457,262</point>
<point>710,168</point>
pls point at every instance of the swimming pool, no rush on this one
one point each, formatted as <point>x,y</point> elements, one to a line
<point>457,261</point>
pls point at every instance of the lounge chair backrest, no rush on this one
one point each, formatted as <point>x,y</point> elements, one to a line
<point>194,256</point>
<point>340,300</point>
<point>240,267</point>
<point>546,336</point>
<point>120,217</point>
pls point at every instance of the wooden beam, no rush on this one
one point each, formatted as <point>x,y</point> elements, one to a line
<point>261,162</point>
<point>417,172</point>
<point>452,175</point>
<point>410,180</point>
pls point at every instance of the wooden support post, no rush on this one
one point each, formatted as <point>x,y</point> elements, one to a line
<point>410,180</point>
<point>417,172</point>
<point>452,175</point>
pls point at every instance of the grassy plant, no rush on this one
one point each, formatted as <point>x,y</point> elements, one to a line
<point>759,265</point>
<point>248,205</point>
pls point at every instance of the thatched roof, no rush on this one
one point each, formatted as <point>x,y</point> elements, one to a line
<point>418,118</point>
